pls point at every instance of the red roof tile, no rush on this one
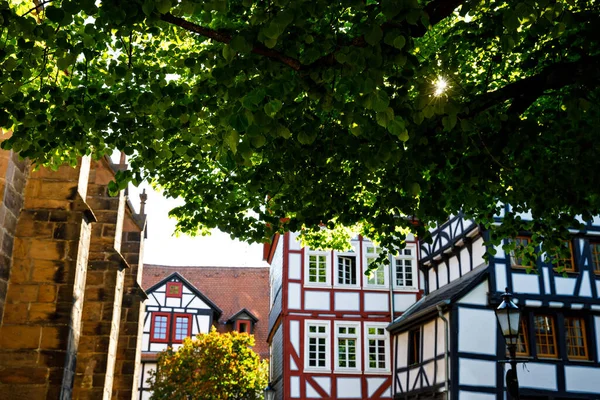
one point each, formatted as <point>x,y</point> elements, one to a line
<point>230,288</point>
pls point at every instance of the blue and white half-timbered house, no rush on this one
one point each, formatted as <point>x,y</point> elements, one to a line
<point>447,345</point>
<point>175,309</point>
<point>327,325</point>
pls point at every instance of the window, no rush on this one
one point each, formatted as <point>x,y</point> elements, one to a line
<point>243,326</point>
<point>159,331</point>
<point>347,352</point>
<point>595,249</point>
<point>346,270</point>
<point>378,276</point>
<point>565,263</point>
<point>545,336</point>
<point>520,243</point>
<point>523,342</point>
<point>170,328</point>
<point>317,268</point>
<point>174,289</point>
<point>376,347</point>
<point>414,353</point>
<point>317,354</point>
<point>576,340</point>
<point>183,328</point>
<point>404,267</point>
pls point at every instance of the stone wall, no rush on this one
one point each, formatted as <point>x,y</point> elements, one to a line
<point>63,279</point>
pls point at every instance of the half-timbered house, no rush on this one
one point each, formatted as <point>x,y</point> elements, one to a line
<point>327,321</point>
<point>185,301</point>
<point>447,345</point>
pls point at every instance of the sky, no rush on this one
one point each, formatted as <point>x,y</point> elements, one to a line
<point>163,248</point>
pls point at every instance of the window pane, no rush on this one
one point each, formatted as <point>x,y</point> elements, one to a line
<point>181,328</point>
<point>545,336</point>
<point>160,327</point>
<point>576,340</point>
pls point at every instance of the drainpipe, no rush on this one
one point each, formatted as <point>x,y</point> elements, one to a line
<point>441,315</point>
<point>392,304</point>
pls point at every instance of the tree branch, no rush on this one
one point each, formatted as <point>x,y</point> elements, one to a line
<point>527,90</point>
<point>226,38</point>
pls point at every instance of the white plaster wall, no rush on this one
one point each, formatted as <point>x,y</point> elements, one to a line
<point>295,386</point>
<point>295,336</point>
<point>586,286</point>
<point>546,275</point>
<point>478,252</point>
<point>429,372</point>
<point>431,279</point>
<point>160,297</point>
<point>582,379</point>
<point>294,266</point>
<point>346,301</point>
<point>537,376</point>
<point>481,340</point>
<point>294,296</point>
<point>501,281</point>
<point>477,372</point>
<point>402,379</point>
<point>441,333</point>
<point>373,384</point>
<point>316,300</point>
<point>464,395</point>
<point>173,302</point>
<point>402,350</point>
<point>477,296</point>
<point>442,274</point>
<point>349,388</point>
<point>526,283</point>
<point>311,393</point>
<point>403,301</point>
<point>324,382</point>
<point>376,302</point>
<point>295,241</point>
<point>454,268</point>
<point>429,340</point>
<point>414,381</point>
<point>465,260</point>
<point>197,303</point>
<point>564,286</point>
<point>204,325</point>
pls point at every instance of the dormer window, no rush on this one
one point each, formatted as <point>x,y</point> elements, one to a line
<point>243,321</point>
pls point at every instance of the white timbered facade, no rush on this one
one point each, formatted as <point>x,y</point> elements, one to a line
<point>328,320</point>
<point>449,344</point>
<point>175,309</point>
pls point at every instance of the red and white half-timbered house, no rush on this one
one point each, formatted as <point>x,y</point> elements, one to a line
<point>327,325</point>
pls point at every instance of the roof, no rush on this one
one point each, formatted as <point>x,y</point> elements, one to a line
<point>241,313</point>
<point>427,305</point>
<point>231,289</point>
<point>216,310</point>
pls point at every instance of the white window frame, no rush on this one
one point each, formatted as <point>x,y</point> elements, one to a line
<point>358,350</point>
<point>347,254</point>
<point>327,255</point>
<point>385,337</point>
<point>327,336</point>
<point>366,260</point>
<point>413,257</point>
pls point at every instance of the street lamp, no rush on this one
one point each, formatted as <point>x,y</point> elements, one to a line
<point>269,392</point>
<point>509,319</point>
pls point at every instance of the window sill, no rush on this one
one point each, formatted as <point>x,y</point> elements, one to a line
<point>377,371</point>
<point>347,371</point>
<point>347,287</point>
<point>317,370</point>
<point>318,285</point>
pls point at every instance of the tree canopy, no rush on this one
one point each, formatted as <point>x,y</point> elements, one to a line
<point>361,113</point>
<point>212,366</point>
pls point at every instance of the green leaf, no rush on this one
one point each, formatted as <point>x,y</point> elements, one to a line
<point>55,14</point>
<point>239,121</point>
<point>399,42</point>
<point>284,132</point>
<point>510,20</point>
<point>148,7</point>
<point>270,43</point>
<point>385,116</point>
<point>396,126</point>
<point>379,100</point>
<point>232,139</point>
<point>240,44</point>
<point>228,53</point>
<point>403,136</point>
<point>4,119</point>
<point>355,129</point>
<point>258,141</point>
<point>272,108</point>
<point>163,6</point>
<point>374,35</point>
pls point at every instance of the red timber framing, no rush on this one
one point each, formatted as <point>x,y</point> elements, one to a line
<point>293,361</point>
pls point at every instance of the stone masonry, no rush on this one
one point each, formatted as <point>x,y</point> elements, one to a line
<point>69,287</point>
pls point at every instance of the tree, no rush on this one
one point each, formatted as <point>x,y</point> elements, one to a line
<point>212,366</point>
<point>317,112</point>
